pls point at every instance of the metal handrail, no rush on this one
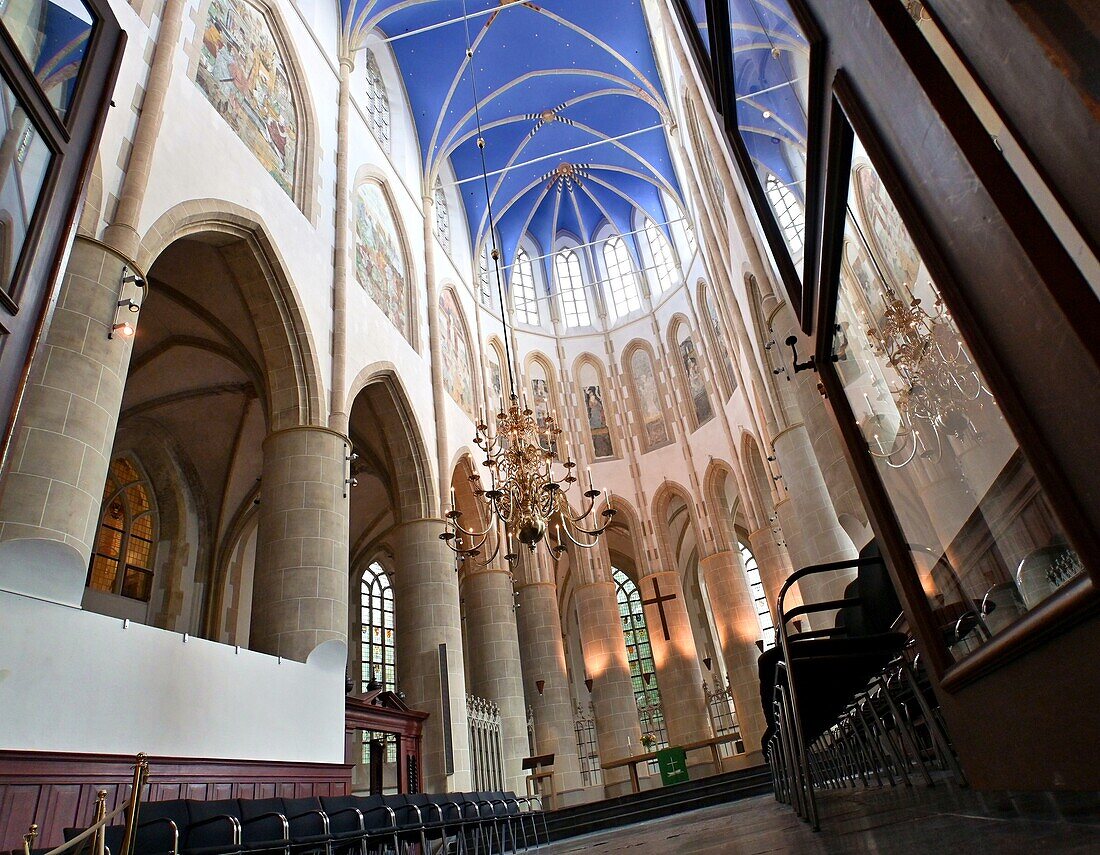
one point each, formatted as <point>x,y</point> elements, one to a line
<point>102,819</point>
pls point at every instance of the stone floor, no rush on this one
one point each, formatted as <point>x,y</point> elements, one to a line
<point>885,822</point>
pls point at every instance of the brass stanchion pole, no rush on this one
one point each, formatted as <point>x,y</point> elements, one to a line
<point>99,843</point>
<point>141,772</point>
<point>28,838</point>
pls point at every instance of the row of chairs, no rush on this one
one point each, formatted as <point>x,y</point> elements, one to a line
<point>848,704</point>
<point>466,823</point>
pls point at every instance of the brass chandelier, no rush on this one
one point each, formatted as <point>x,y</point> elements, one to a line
<point>529,480</point>
<point>939,381</point>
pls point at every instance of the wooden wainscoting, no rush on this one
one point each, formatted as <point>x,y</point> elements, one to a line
<point>58,790</point>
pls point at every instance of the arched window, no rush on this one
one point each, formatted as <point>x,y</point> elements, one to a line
<point>621,281</point>
<point>788,212</point>
<point>378,104</point>
<point>663,264</point>
<point>524,302</point>
<point>376,629</point>
<point>442,217</point>
<point>486,276</point>
<point>125,547</point>
<point>759,596</point>
<point>567,269</point>
<point>639,656</point>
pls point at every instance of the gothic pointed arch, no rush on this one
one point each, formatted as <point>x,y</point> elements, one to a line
<point>458,364</point>
<point>684,342</point>
<point>647,399</point>
<point>596,411</point>
<point>717,339</point>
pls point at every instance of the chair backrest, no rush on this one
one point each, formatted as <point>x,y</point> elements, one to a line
<point>268,828</point>
<point>879,601</point>
<point>211,833</point>
<point>340,818</point>
<point>373,818</point>
<point>296,807</point>
<point>157,836</point>
<point>403,808</point>
<point>851,617</point>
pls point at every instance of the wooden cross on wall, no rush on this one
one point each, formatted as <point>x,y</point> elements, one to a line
<point>659,600</point>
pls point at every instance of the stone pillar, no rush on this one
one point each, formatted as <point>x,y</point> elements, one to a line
<point>52,492</point>
<point>815,534</point>
<point>495,670</point>
<point>300,593</point>
<point>425,592</point>
<point>617,728</point>
<point>738,629</point>
<point>543,655</point>
<point>676,659</point>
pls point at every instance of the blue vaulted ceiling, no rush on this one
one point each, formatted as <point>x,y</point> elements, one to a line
<point>551,77</point>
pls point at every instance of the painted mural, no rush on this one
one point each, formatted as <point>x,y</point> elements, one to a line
<point>597,422</point>
<point>379,262</point>
<point>243,75</point>
<point>892,246</point>
<point>541,402</point>
<point>697,387</point>
<point>720,342</point>
<point>496,378</point>
<point>649,402</point>
<point>457,366</point>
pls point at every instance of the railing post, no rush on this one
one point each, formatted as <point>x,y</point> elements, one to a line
<point>99,844</point>
<point>29,837</point>
<point>141,772</point>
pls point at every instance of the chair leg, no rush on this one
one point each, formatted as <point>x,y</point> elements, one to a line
<point>939,735</point>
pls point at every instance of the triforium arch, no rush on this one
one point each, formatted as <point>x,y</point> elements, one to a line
<point>663,512</point>
<point>647,393</point>
<point>294,390</point>
<point>760,487</point>
<point>387,425</point>
<point>723,498</point>
<point>596,415</point>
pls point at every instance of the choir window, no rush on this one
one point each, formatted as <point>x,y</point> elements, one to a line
<point>639,656</point>
<point>663,264</point>
<point>788,212</point>
<point>378,104</point>
<point>759,596</point>
<point>571,289</point>
<point>621,281</point>
<point>524,302</point>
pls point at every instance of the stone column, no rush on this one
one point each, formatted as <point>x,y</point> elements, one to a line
<point>50,496</point>
<point>495,671</point>
<point>617,728</point>
<point>815,535</point>
<point>427,616</point>
<point>300,594</point>
<point>543,655</point>
<point>676,658</point>
<point>738,629</point>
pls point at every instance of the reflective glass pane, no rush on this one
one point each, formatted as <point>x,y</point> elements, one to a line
<point>698,11</point>
<point>24,165</point>
<point>771,69</point>
<point>53,37</point>
<point>985,540</point>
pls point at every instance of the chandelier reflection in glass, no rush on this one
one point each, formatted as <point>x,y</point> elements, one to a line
<point>939,381</point>
<point>527,498</point>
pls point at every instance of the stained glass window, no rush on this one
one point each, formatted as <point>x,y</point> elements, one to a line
<point>122,562</point>
<point>377,637</point>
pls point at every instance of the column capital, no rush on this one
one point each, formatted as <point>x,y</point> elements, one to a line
<point>311,428</point>
<point>115,251</point>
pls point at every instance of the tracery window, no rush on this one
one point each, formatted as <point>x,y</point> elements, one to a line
<point>664,265</point>
<point>378,104</point>
<point>788,212</point>
<point>524,302</point>
<point>567,268</point>
<point>377,629</point>
<point>639,656</point>
<point>125,547</point>
<point>378,657</point>
<point>442,217</point>
<point>484,277</point>
<point>621,281</point>
<point>759,596</point>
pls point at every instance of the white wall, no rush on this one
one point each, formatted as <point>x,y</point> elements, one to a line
<point>73,680</point>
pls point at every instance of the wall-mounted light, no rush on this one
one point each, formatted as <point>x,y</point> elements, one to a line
<point>588,684</point>
<point>540,685</point>
<point>125,329</point>
<point>349,479</point>
<point>760,644</point>
<point>707,662</point>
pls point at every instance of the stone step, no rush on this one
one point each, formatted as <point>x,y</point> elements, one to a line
<point>657,803</point>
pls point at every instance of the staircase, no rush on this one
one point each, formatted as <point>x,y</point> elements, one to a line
<point>657,803</point>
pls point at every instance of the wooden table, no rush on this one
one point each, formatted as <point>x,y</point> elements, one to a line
<point>631,763</point>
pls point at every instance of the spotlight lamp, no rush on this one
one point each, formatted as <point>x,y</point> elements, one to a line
<point>125,329</point>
